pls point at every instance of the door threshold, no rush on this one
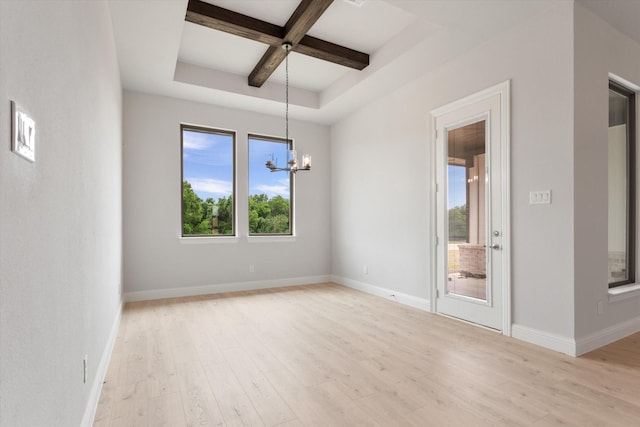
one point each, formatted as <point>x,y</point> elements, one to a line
<point>470,323</point>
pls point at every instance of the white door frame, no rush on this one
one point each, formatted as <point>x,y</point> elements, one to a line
<point>504,91</point>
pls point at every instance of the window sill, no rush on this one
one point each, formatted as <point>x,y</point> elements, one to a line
<point>624,292</point>
<point>271,239</point>
<point>206,240</point>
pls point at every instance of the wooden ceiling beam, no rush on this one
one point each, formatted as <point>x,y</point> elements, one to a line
<point>331,52</point>
<point>218,18</point>
<point>303,18</point>
<point>294,31</point>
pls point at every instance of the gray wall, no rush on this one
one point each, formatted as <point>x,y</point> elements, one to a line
<point>381,209</point>
<point>157,262</point>
<point>60,217</point>
<point>599,50</point>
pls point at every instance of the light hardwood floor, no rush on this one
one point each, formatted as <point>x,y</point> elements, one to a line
<point>326,355</point>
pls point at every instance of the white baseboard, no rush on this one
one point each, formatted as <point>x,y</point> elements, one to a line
<point>545,339</point>
<point>101,373</point>
<point>548,340</point>
<point>607,336</point>
<point>410,300</point>
<point>222,287</point>
<point>578,346</point>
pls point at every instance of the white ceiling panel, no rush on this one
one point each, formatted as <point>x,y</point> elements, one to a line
<point>365,28</point>
<point>219,50</point>
<point>309,73</point>
<point>272,11</point>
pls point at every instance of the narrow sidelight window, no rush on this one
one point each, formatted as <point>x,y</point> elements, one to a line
<point>621,185</point>
<point>270,193</point>
<point>208,182</point>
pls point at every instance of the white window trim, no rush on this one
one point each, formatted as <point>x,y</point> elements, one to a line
<point>200,240</point>
<point>631,290</point>
<point>224,238</point>
<point>624,82</point>
<point>271,239</point>
<point>624,292</point>
<point>274,238</point>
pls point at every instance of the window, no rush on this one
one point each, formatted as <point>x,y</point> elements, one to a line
<point>270,193</point>
<point>621,170</point>
<point>457,202</point>
<point>208,183</point>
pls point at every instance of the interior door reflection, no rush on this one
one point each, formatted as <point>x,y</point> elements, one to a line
<point>466,204</point>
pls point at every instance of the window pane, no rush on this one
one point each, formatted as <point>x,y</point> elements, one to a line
<point>207,182</point>
<point>620,189</point>
<point>269,192</point>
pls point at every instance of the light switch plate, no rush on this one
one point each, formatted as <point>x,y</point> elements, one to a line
<point>540,197</point>
<point>23,133</point>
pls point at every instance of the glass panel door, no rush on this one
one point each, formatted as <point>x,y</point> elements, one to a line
<point>471,208</point>
<point>466,205</point>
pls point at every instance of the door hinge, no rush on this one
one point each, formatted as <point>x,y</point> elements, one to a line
<point>436,241</point>
<point>437,293</point>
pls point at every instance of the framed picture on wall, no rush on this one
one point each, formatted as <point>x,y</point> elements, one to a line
<point>23,133</point>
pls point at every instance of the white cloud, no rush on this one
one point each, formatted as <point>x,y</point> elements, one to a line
<point>274,190</point>
<point>196,141</point>
<point>193,145</point>
<point>211,186</point>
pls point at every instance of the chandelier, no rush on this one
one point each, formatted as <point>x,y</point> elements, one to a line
<point>292,157</point>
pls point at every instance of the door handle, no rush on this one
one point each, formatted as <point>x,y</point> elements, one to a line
<point>495,246</point>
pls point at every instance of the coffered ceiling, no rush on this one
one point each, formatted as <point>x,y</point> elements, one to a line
<point>160,52</point>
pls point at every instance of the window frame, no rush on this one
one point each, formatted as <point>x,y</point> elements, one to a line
<point>290,146</point>
<point>234,145</point>
<point>630,94</point>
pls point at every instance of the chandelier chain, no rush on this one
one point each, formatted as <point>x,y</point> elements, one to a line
<point>291,158</point>
<point>286,72</point>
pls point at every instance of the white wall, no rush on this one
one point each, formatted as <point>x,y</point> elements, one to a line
<point>157,263</point>
<point>381,173</point>
<point>60,217</point>
<point>599,50</point>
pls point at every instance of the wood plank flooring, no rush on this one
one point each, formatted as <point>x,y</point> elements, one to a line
<point>326,355</point>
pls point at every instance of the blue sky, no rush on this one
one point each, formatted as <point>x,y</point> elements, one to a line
<point>457,181</point>
<point>208,159</point>
<point>261,179</point>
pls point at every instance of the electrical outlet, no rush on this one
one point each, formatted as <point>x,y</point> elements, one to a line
<point>252,269</point>
<point>600,307</point>
<point>85,368</point>
<point>365,269</point>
